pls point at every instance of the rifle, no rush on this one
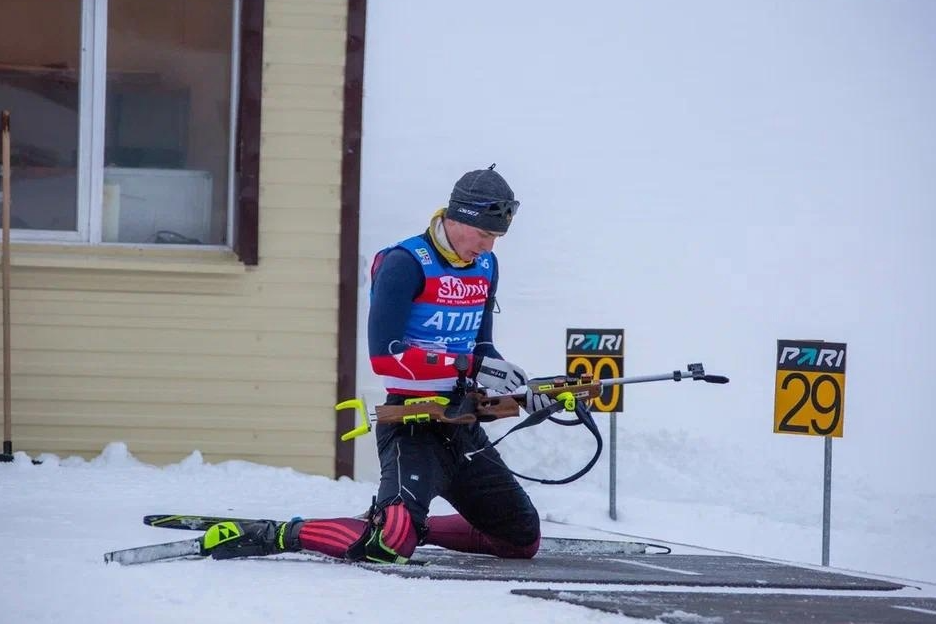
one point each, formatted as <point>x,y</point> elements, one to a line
<point>567,390</point>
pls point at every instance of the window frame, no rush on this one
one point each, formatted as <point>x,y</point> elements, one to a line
<point>242,150</point>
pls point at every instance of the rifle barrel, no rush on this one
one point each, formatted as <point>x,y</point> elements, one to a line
<point>622,381</point>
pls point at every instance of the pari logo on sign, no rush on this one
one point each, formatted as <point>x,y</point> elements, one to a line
<point>818,357</point>
<point>578,341</point>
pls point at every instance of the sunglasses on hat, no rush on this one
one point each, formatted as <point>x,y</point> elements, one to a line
<point>499,208</point>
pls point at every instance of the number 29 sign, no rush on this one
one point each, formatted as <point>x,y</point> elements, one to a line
<point>810,393</point>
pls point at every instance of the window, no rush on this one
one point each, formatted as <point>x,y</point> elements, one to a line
<point>123,117</point>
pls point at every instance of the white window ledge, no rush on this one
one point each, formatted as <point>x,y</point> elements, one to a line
<point>170,259</point>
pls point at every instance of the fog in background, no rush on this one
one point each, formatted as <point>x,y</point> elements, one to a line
<point>711,177</point>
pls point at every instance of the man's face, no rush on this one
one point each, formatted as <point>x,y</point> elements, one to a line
<point>468,241</point>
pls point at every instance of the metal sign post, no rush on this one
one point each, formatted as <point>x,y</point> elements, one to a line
<point>809,399</point>
<point>827,501</point>
<point>600,353</point>
<point>612,468</point>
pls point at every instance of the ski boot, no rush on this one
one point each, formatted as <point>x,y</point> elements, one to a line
<point>228,540</point>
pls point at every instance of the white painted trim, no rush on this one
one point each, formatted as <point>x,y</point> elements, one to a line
<point>94,222</point>
<point>232,132</point>
<point>51,236</point>
<point>85,124</point>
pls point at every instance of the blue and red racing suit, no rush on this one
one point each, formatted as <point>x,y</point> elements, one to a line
<point>424,312</point>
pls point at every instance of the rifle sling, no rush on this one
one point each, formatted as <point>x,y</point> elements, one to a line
<point>584,417</point>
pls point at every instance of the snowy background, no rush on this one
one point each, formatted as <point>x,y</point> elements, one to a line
<point>711,177</point>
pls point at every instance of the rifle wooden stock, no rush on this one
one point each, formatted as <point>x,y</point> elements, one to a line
<point>478,406</point>
<point>491,408</point>
<point>419,412</point>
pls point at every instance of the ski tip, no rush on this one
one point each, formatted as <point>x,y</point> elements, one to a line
<point>176,521</point>
<point>155,520</point>
<point>156,552</point>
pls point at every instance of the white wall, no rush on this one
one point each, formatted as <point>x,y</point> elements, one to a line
<point>710,176</point>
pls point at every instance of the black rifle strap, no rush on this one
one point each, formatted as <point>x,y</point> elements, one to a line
<point>584,417</point>
<point>534,419</point>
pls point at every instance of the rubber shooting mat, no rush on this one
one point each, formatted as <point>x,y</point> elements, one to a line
<point>555,565</point>
<point>739,608</point>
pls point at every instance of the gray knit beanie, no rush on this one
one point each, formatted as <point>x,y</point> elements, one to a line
<point>483,199</point>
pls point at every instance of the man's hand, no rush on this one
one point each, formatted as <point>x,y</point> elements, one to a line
<point>536,402</point>
<point>500,376</point>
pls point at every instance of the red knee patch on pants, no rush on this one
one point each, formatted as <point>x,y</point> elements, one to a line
<point>399,533</point>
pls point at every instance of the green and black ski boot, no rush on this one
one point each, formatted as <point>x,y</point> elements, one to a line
<point>227,540</point>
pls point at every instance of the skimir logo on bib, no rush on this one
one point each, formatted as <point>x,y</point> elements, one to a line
<point>455,288</point>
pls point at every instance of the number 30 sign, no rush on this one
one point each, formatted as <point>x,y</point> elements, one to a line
<point>810,392</point>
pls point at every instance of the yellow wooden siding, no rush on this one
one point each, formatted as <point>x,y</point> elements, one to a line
<point>238,364</point>
<point>305,74</point>
<point>295,197</point>
<point>293,45</point>
<point>280,15</point>
<point>296,173</point>
<point>298,146</point>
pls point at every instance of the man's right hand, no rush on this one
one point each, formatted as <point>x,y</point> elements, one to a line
<point>500,376</point>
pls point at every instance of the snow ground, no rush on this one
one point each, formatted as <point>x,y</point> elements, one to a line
<point>59,518</point>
